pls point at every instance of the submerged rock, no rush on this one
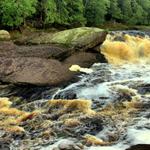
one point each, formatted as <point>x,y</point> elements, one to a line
<point>140,147</point>
<point>68,145</point>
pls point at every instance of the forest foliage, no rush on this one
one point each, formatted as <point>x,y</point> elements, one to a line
<point>42,13</point>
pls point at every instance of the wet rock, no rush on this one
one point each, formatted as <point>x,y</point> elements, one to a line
<point>91,125</point>
<point>88,125</point>
<point>56,148</point>
<point>143,89</point>
<point>66,95</point>
<point>4,35</point>
<point>68,145</point>
<point>4,146</point>
<point>140,147</point>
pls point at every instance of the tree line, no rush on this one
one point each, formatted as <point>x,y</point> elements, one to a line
<point>42,13</point>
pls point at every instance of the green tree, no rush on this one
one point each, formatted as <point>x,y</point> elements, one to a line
<point>126,9</point>
<point>14,12</point>
<point>76,12</point>
<point>145,4</point>
<point>95,11</point>
<point>138,13</point>
<point>62,12</point>
<point>49,11</point>
<point>114,11</point>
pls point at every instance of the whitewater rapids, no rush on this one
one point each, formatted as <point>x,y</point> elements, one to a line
<point>125,79</point>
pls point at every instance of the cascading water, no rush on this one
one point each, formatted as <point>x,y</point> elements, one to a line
<point>124,81</point>
<point>125,88</point>
<point>110,110</point>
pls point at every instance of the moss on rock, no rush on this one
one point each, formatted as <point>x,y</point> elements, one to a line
<point>78,38</point>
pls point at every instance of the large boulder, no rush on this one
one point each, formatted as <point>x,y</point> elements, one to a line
<point>41,71</point>
<point>83,59</point>
<point>9,49</point>
<point>4,35</point>
<point>40,64</point>
<point>82,38</point>
<point>31,70</point>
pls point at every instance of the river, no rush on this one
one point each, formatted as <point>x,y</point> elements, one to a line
<point>111,110</point>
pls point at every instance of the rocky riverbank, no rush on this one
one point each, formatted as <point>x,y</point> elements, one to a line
<point>51,108</point>
<point>45,58</point>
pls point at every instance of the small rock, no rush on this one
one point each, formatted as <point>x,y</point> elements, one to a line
<point>4,35</point>
<point>67,145</point>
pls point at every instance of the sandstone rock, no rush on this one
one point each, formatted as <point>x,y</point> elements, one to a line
<point>81,38</point>
<point>4,35</point>
<point>31,70</point>
<point>9,49</point>
<point>41,71</point>
<point>83,59</point>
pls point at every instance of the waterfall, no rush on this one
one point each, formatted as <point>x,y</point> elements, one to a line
<point>107,109</point>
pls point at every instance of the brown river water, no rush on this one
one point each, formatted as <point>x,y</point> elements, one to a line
<point>107,109</point>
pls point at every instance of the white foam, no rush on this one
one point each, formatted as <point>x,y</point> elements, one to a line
<point>127,77</point>
<point>101,90</point>
<point>139,136</point>
<point>114,147</point>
